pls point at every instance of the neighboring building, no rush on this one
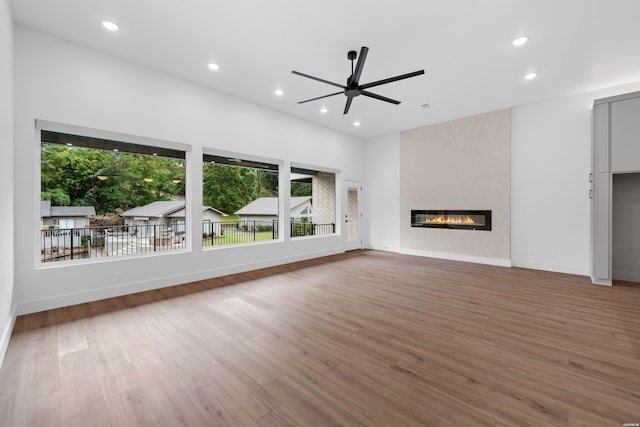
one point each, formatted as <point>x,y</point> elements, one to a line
<point>65,216</point>
<point>168,214</point>
<point>265,209</point>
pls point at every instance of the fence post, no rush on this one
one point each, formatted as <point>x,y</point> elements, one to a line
<point>313,228</point>
<point>333,227</point>
<point>254,230</point>
<point>72,243</point>
<point>273,229</point>
<point>155,234</point>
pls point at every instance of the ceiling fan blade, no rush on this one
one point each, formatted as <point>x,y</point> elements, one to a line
<point>391,79</point>
<point>360,65</point>
<point>380,97</point>
<point>320,97</point>
<point>318,79</point>
<point>346,107</point>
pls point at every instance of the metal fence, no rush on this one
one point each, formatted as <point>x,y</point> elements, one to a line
<point>301,228</point>
<point>61,244</point>
<point>231,233</point>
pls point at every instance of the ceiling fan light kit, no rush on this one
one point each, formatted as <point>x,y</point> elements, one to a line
<point>353,87</point>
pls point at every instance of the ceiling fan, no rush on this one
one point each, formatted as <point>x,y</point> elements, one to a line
<point>353,87</point>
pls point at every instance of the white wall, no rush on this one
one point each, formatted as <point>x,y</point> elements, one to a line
<point>6,176</point>
<point>550,166</point>
<point>382,193</point>
<point>61,82</point>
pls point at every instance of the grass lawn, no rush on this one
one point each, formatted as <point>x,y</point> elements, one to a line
<point>233,238</point>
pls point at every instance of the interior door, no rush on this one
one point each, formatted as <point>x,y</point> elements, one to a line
<point>353,217</point>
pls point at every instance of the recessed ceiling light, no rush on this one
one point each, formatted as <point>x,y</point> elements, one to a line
<point>109,25</point>
<point>530,76</point>
<point>278,92</point>
<point>520,41</point>
<point>323,110</point>
<point>356,123</point>
<point>214,67</point>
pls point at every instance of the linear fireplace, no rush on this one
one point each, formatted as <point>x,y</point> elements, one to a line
<point>463,220</point>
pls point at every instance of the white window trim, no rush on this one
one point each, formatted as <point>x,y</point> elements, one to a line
<point>46,125</point>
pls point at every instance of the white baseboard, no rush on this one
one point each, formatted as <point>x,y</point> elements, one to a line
<point>384,248</point>
<point>596,281</point>
<point>65,300</point>
<point>629,276</point>
<point>6,335</point>
<point>556,268</point>
<point>457,257</point>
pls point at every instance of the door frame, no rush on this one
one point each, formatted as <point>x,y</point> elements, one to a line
<point>358,243</point>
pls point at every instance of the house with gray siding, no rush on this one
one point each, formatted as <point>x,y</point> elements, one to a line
<point>65,216</point>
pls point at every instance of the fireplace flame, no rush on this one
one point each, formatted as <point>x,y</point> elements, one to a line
<point>443,219</point>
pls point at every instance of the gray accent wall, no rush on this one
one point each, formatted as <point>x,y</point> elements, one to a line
<point>463,164</point>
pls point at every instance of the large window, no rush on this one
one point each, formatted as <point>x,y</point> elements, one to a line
<point>105,198</point>
<point>240,198</point>
<point>312,203</point>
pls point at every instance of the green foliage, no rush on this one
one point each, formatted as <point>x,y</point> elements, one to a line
<point>69,177</point>
<point>57,196</point>
<point>301,229</point>
<point>229,188</point>
<point>300,188</point>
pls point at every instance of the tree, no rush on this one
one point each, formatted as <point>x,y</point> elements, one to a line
<point>69,176</point>
<point>57,196</point>
<point>300,188</point>
<point>228,188</point>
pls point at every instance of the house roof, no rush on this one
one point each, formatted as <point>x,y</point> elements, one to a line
<point>269,205</point>
<point>47,211</point>
<point>181,212</point>
<point>156,209</point>
<point>171,208</point>
<point>45,208</point>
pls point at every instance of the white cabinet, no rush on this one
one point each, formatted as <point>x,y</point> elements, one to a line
<point>625,135</point>
<point>601,237</point>
<point>616,149</point>
<point>601,138</point>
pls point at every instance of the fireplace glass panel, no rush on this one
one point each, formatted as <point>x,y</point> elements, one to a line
<point>457,219</point>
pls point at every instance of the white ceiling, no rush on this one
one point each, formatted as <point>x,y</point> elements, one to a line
<point>464,46</point>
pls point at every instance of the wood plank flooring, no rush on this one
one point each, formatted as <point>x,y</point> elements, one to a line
<point>365,338</point>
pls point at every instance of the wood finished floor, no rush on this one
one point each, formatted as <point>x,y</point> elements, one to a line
<point>361,339</point>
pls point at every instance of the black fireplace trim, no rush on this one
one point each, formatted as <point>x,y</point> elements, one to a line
<point>485,213</point>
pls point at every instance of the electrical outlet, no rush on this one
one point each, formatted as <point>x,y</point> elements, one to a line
<point>118,276</point>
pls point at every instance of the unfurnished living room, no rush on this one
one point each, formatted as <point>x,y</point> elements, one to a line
<point>201,229</point>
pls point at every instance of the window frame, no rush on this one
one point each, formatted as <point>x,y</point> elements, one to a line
<point>337,191</point>
<point>141,143</point>
<point>246,161</point>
